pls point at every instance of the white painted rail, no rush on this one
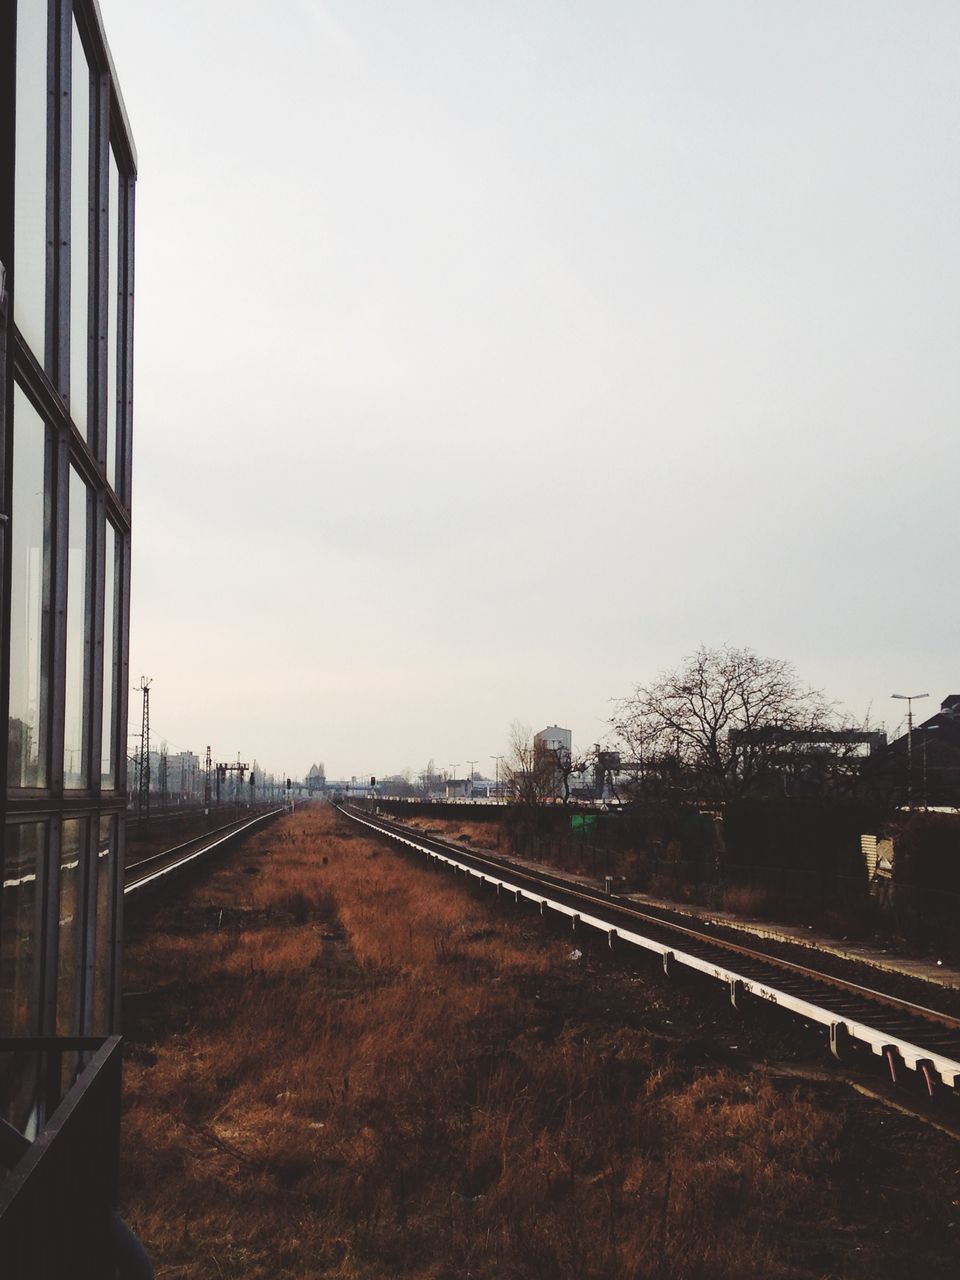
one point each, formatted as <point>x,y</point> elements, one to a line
<point>195,853</point>
<point>913,1056</point>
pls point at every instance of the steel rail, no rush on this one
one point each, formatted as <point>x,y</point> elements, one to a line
<point>891,1028</point>
<point>206,846</point>
<point>165,853</point>
<point>667,920</point>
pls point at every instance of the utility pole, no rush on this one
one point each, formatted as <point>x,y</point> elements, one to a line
<point>133,773</point>
<point>909,699</point>
<point>473,764</point>
<point>143,799</point>
<point>498,759</point>
<point>207,780</point>
<point>239,769</point>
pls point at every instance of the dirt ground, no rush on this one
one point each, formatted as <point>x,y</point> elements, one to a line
<point>343,1063</point>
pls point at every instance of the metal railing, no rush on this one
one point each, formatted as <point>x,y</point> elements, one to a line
<point>57,1200</point>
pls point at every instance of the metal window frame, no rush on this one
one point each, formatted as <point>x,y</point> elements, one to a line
<point>47,387</point>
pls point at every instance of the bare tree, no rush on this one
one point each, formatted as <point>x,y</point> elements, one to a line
<point>717,726</point>
<point>429,779</point>
<point>563,765</point>
<point>529,773</point>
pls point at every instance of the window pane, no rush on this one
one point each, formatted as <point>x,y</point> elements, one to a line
<point>79,231</point>
<point>30,253</point>
<point>19,1078</point>
<point>102,964</point>
<point>30,595</point>
<point>68,927</point>
<point>75,765</point>
<point>24,850</point>
<point>108,773</point>
<point>113,258</point>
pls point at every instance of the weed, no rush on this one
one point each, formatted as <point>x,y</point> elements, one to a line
<point>383,1076</point>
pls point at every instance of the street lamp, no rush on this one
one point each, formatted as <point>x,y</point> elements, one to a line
<point>498,759</point>
<point>909,699</point>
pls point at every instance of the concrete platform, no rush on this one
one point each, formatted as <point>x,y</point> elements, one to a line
<point>926,968</point>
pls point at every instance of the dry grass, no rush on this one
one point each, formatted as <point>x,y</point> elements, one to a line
<point>482,835</point>
<point>347,1066</point>
<point>563,850</point>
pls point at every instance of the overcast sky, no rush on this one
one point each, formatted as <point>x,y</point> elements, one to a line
<point>491,356</point>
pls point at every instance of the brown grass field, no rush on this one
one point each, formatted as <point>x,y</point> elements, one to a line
<point>344,1064</point>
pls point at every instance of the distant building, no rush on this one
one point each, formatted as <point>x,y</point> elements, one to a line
<point>184,776</point>
<point>553,738</point>
<point>485,789</point>
<point>553,752</point>
<point>316,779</point>
<point>930,773</point>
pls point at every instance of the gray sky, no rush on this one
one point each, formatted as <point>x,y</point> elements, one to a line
<point>491,356</point>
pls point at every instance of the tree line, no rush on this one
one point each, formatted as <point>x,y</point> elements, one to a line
<point>725,724</point>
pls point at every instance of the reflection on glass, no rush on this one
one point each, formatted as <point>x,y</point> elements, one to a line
<point>113,259</point>
<point>75,766</point>
<point>68,932</point>
<point>108,776</point>
<point>102,966</point>
<point>25,849</point>
<point>30,252</point>
<point>30,600</point>
<point>79,231</point>
<point>25,846</point>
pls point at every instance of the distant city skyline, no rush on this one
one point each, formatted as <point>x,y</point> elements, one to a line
<point>925,708</point>
<point>490,359</point>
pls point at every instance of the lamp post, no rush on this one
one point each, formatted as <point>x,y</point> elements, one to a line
<point>473,765</point>
<point>909,699</point>
<point>498,759</point>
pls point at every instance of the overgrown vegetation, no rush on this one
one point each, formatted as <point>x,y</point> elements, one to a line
<point>792,860</point>
<point>345,1065</point>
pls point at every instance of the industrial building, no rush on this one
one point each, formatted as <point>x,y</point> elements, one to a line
<point>553,738</point>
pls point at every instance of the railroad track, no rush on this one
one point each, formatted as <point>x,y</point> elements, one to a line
<point>148,870</point>
<point>907,1036</point>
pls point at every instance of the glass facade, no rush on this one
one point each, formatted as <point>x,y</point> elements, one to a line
<point>108,743</point>
<point>25,850</point>
<point>98,964</point>
<point>30,182</point>
<point>29,598</point>
<point>66,289</point>
<point>76,703</point>
<point>113,277</point>
<point>79,228</point>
